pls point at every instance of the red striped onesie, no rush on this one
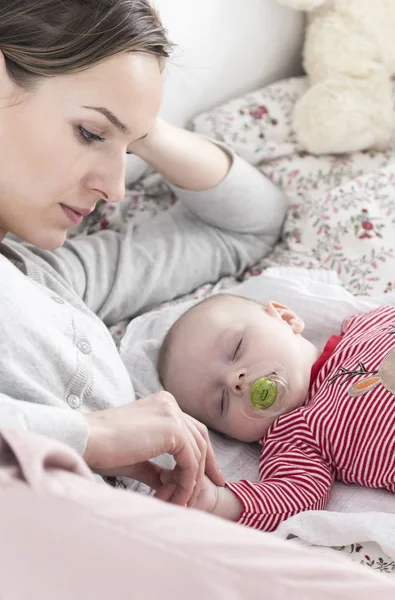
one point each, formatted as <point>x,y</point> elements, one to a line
<point>344,431</point>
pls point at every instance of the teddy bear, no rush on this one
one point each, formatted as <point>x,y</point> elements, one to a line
<point>349,57</point>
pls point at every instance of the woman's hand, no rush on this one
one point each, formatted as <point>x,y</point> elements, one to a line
<point>182,157</point>
<point>214,499</point>
<point>206,500</point>
<point>122,440</point>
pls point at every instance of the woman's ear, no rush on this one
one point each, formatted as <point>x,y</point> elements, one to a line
<point>279,311</point>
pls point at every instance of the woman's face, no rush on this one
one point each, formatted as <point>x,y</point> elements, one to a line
<point>63,145</point>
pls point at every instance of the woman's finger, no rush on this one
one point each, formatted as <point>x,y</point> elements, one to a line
<point>147,472</point>
<point>172,492</point>
<point>166,491</point>
<point>202,442</point>
<point>188,462</point>
<point>212,469</point>
<point>199,433</point>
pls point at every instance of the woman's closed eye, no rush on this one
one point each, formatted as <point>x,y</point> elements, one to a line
<point>87,137</point>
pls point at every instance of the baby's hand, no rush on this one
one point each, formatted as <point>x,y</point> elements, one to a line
<point>208,497</point>
<point>205,500</point>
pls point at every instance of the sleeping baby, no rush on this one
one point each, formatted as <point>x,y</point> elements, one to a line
<point>244,369</point>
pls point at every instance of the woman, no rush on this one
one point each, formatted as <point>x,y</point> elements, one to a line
<point>80,87</point>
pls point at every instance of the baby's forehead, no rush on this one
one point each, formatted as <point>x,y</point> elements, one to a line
<point>214,305</point>
<point>197,331</point>
<point>210,312</point>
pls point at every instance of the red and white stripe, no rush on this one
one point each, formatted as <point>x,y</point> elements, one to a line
<point>333,436</point>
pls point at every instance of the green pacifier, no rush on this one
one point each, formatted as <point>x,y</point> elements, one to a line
<point>263,393</point>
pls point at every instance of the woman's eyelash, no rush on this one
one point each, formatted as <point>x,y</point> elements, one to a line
<point>88,137</point>
<point>237,349</point>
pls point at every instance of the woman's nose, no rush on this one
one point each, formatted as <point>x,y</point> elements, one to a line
<point>237,382</point>
<point>115,188</point>
<point>109,181</point>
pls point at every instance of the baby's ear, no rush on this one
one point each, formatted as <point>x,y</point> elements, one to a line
<point>280,311</point>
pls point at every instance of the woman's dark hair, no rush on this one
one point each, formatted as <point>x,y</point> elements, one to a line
<point>44,38</point>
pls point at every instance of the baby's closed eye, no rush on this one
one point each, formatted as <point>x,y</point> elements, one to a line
<point>238,349</point>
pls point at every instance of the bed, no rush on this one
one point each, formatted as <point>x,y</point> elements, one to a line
<point>337,239</point>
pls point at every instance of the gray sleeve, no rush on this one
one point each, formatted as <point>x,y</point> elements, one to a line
<point>204,237</point>
<point>66,426</point>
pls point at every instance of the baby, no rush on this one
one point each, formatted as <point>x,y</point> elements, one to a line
<point>245,370</point>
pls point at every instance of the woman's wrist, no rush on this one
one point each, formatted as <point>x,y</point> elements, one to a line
<point>147,145</point>
<point>182,157</point>
<point>98,451</point>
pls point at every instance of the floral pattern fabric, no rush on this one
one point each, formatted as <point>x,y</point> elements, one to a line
<point>342,208</point>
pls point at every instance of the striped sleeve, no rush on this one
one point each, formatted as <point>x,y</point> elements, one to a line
<point>293,481</point>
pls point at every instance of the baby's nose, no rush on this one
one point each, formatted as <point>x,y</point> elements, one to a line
<point>238,383</point>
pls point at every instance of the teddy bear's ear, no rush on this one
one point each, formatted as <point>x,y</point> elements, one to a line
<point>306,5</point>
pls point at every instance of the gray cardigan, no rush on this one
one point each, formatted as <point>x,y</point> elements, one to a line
<point>57,358</point>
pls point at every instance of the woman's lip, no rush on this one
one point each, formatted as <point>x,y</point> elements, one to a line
<point>81,211</point>
<point>74,216</point>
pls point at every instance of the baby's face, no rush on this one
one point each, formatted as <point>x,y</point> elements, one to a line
<point>215,347</point>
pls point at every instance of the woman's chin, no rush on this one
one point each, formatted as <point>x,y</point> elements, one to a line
<point>48,240</point>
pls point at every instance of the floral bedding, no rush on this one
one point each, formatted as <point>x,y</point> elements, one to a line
<point>341,214</point>
<point>342,208</point>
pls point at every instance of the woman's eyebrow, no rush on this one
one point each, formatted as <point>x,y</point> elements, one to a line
<point>113,120</point>
<point>111,117</point>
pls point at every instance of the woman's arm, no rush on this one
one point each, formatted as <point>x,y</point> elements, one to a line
<point>65,425</point>
<point>183,158</point>
<point>121,441</point>
<point>207,235</point>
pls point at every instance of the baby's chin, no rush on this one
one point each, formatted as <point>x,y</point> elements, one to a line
<point>252,439</point>
<point>253,435</point>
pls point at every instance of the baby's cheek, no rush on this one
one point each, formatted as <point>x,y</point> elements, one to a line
<point>260,428</point>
